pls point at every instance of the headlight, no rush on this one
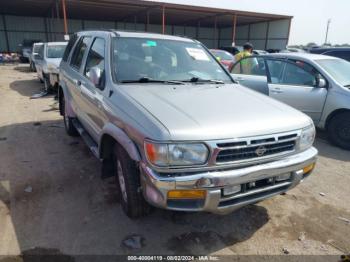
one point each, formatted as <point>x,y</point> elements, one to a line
<point>307,137</point>
<point>176,154</point>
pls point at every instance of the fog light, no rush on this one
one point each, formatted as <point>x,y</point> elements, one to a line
<point>283,177</point>
<point>230,190</point>
<point>186,194</point>
<point>308,168</point>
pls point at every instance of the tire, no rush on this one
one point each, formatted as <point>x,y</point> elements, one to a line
<point>47,86</point>
<point>68,123</point>
<point>339,130</point>
<point>128,181</point>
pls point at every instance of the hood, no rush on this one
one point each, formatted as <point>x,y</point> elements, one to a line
<point>208,111</point>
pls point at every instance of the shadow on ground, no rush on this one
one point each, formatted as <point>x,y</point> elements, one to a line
<point>27,87</point>
<point>24,68</point>
<point>327,149</point>
<point>57,201</point>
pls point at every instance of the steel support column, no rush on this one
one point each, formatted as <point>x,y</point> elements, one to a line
<point>163,20</point>
<point>6,34</point>
<point>147,21</point>
<point>65,17</point>
<point>234,24</point>
<point>267,34</point>
<point>215,31</point>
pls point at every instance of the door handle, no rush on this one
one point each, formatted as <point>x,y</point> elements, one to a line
<point>239,78</point>
<point>277,91</point>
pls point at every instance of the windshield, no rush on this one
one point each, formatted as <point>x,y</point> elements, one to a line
<point>223,55</point>
<point>164,60</point>
<point>339,69</point>
<point>55,51</point>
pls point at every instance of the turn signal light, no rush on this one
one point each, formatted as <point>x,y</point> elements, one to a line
<point>308,168</point>
<point>186,194</point>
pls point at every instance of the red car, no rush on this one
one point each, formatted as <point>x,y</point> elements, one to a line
<point>225,58</point>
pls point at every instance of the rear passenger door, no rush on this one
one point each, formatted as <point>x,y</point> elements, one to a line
<point>251,72</point>
<point>91,95</point>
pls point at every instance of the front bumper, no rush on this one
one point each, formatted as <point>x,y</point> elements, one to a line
<point>263,176</point>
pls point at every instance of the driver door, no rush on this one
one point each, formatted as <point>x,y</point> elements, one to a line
<point>251,72</point>
<point>296,84</point>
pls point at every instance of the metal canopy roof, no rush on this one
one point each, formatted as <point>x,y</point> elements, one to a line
<point>136,11</point>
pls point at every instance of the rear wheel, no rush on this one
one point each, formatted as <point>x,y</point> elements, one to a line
<point>68,123</point>
<point>128,181</point>
<point>339,130</point>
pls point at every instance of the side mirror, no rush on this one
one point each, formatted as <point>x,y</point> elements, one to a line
<point>321,82</point>
<point>96,77</point>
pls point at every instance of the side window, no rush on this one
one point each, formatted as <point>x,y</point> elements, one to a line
<point>276,70</point>
<point>69,47</point>
<point>250,66</point>
<point>297,74</point>
<point>78,54</point>
<point>96,56</point>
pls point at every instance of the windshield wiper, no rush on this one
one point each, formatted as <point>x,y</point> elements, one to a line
<point>150,80</point>
<point>200,80</point>
<point>347,85</point>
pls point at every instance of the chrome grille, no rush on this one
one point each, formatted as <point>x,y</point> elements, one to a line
<point>256,148</point>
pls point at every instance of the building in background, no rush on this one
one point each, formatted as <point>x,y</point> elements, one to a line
<point>44,20</point>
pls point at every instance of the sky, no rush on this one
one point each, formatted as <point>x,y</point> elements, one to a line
<point>310,16</point>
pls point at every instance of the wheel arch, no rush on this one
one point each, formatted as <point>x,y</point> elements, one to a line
<point>112,134</point>
<point>333,114</point>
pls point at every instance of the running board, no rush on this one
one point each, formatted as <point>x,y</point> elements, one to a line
<point>86,137</point>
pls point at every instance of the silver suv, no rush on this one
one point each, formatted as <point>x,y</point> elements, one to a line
<point>167,119</point>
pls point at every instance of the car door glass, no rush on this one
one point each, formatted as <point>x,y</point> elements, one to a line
<point>250,66</point>
<point>299,73</point>
<point>276,70</point>
<point>79,51</point>
<point>96,56</point>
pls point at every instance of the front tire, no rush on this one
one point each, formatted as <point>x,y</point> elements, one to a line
<point>339,130</point>
<point>128,181</point>
<point>68,121</point>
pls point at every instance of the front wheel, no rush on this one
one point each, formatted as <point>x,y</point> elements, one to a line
<point>128,181</point>
<point>339,130</point>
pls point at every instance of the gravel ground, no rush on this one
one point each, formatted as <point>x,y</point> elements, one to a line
<point>53,200</point>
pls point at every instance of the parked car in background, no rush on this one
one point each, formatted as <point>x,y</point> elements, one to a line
<point>317,85</point>
<point>47,63</point>
<point>340,52</point>
<point>35,51</point>
<point>293,50</point>
<point>225,58</point>
<point>26,50</point>
<point>232,49</point>
<point>259,52</point>
<point>150,106</point>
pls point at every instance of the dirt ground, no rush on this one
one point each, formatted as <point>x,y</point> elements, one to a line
<point>52,198</point>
